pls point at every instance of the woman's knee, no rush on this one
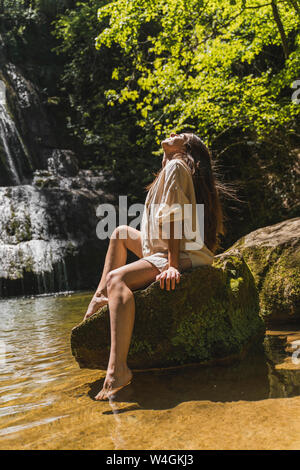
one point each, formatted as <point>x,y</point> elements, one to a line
<point>120,233</point>
<point>113,279</point>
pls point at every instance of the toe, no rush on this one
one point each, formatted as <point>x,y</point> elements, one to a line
<point>100,395</point>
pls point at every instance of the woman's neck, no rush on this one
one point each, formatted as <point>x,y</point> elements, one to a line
<point>175,154</point>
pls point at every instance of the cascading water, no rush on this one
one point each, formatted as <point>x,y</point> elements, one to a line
<point>7,131</point>
<point>15,150</point>
<point>47,205</point>
<point>11,142</point>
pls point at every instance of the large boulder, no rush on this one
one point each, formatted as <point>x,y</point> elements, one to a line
<point>211,316</point>
<point>273,256</point>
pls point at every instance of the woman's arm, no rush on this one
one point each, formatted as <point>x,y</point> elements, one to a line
<point>171,276</point>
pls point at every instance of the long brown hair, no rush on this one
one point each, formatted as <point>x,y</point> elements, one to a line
<point>207,188</point>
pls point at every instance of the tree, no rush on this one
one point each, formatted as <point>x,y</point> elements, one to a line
<point>202,63</point>
<point>109,135</point>
<point>224,69</point>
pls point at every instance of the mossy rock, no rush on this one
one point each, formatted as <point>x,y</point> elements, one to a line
<point>211,316</point>
<point>273,256</point>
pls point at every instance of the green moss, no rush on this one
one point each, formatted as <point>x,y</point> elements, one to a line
<point>257,259</point>
<point>26,233</point>
<point>236,283</point>
<point>28,265</point>
<point>276,271</point>
<point>213,313</point>
<point>19,228</point>
<point>280,293</point>
<point>140,347</point>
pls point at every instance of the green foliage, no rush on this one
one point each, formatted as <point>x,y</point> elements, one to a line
<point>119,75</point>
<point>25,30</point>
<point>18,16</point>
<point>208,66</point>
<point>109,134</point>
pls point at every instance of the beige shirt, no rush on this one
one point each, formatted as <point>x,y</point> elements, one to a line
<point>172,198</point>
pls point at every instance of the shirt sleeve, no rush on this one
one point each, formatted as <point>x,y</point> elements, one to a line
<point>174,194</point>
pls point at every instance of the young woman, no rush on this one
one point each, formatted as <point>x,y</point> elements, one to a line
<point>186,177</point>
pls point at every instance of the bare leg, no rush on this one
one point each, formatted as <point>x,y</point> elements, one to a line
<point>120,284</point>
<point>116,256</point>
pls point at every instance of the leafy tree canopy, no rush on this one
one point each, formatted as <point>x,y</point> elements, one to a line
<point>206,65</point>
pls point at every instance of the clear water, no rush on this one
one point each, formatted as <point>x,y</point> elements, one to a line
<point>46,400</point>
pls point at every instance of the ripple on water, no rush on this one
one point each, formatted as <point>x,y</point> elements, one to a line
<point>39,371</point>
<point>21,427</point>
<point>15,409</point>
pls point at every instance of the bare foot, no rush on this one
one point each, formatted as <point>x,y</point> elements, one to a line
<point>97,302</point>
<point>113,383</point>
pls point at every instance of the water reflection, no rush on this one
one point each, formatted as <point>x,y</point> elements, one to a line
<point>36,334</point>
<point>257,377</point>
<point>246,380</point>
<point>22,427</point>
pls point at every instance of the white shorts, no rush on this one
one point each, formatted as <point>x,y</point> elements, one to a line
<point>160,260</point>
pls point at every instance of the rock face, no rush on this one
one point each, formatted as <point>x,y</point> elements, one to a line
<point>273,256</point>
<point>211,316</point>
<point>48,236</point>
<point>282,351</point>
<point>48,240</point>
<point>27,132</point>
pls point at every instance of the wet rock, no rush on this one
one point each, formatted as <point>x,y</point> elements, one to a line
<point>27,130</point>
<point>211,316</point>
<point>48,239</point>
<point>48,236</point>
<point>282,350</point>
<point>273,256</point>
<point>61,162</point>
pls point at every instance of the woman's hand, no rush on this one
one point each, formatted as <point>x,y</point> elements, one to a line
<point>98,301</point>
<point>169,278</point>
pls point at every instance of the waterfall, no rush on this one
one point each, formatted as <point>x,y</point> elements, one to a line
<point>15,152</point>
<point>8,136</point>
<point>47,203</point>
<point>67,287</point>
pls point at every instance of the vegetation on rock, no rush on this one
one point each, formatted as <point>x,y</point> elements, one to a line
<point>211,316</point>
<point>273,256</point>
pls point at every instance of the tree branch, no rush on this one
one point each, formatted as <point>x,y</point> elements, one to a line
<point>280,28</point>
